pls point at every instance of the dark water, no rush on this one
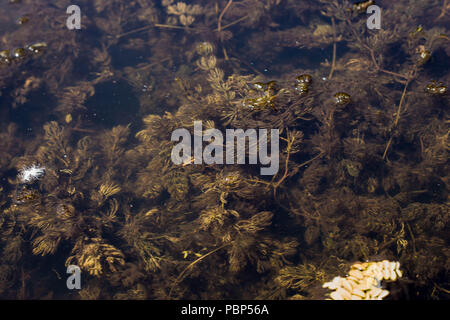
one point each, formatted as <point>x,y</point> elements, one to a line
<point>363,149</point>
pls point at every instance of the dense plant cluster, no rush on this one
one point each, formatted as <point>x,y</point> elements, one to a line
<point>364,142</point>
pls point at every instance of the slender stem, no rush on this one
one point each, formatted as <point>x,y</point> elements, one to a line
<point>157,25</point>
<point>445,6</point>
<point>155,63</point>
<point>290,141</point>
<point>259,181</point>
<point>83,130</point>
<point>442,289</point>
<point>219,22</point>
<point>233,23</point>
<point>333,63</point>
<point>377,66</point>
<point>399,110</point>
<point>219,27</point>
<point>192,264</point>
<point>393,73</point>
<point>134,31</point>
<point>169,26</point>
<point>412,237</point>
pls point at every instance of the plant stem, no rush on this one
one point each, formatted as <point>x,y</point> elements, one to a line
<point>399,110</point>
<point>333,63</point>
<point>192,264</point>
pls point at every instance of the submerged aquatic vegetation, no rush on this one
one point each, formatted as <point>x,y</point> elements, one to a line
<point>364,141</point>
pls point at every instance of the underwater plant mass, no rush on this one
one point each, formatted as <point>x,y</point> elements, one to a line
<point>356,208</point>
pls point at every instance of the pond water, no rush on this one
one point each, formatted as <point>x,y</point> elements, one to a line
<point>347,100</point>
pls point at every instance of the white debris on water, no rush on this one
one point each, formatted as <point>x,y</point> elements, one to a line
<point>31,173</point>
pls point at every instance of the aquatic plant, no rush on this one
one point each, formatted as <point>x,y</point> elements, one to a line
<point>363,149</point>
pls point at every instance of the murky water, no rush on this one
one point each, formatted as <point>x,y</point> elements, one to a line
<point>89,120</point>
